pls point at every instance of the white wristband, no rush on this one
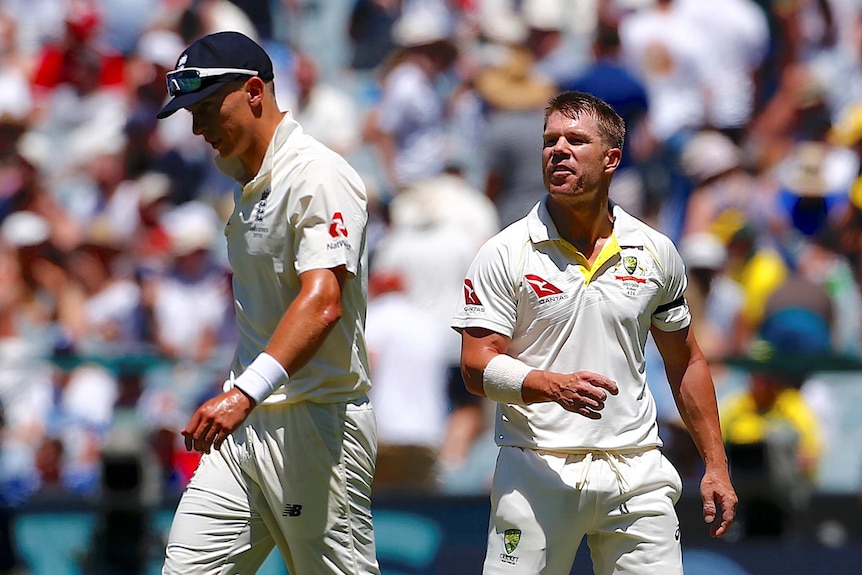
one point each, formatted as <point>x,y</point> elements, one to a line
<point>262,377</point>
<point>503,378</point>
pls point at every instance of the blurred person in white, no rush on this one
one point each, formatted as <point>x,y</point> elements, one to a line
<point>839,69</point>
<point>661,45</point>
<point>408,125</point>
<point>327,112</point>
<point>188,301</point>
<point>558,33</point>
<point>407,353</point>
<point>737,36</point>
<point>16,97</point>
<point>435,228</point>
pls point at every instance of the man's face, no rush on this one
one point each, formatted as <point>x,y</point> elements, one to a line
<point>574,157</point>
<point>221,120</point>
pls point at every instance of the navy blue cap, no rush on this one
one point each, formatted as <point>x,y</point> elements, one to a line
<point>219,50</point>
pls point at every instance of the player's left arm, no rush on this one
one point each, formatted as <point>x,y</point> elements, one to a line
<point>694,393</point>
<point>301,330</point>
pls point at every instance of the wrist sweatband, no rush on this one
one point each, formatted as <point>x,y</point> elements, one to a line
<point>262,377</point>
<point>503,378</point>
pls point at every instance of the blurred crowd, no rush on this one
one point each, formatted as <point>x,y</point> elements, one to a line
<point>116,318</point>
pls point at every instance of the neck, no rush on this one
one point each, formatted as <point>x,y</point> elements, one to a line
<point>585,224</point>
<point>252,158</point>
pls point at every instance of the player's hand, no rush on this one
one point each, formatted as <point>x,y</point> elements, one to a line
<point>581,392</point>
<point>217,418</point>
<point>718,494</point>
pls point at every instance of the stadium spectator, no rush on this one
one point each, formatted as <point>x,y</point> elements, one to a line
<point>408,124</point>
<point>515,96</point>
<point>187,302</point>
<point>325,111</point>
<point>773,437</point>
<point>408,356</point>
<point>662,47</point>
<point>737,36</point>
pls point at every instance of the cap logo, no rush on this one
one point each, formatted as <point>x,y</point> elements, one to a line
<point>182,61</point>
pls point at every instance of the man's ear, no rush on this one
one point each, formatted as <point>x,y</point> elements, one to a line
<point>612,159</point>
<point>254,88</point>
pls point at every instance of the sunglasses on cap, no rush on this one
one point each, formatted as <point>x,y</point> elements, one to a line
<point>189,80</point>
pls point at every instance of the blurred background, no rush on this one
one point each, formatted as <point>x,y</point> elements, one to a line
<point>744,142</point>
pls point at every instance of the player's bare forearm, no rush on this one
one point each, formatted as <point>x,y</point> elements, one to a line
<point>582,392</point>
<point>478,347</point>
<point>694,393</point>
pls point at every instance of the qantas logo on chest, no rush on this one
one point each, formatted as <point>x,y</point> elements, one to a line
<point>541,287</point>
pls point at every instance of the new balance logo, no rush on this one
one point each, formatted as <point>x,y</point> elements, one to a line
<point>470,297</point>
<point>292,510</point>
<point>541,287</point>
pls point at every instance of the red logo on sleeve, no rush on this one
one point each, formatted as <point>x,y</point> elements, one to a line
<point>337,227</point>
<point>541,287</point>
<point>470,296</point>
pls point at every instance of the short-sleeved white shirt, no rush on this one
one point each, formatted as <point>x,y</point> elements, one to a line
<point>305,210</point>
<point>530,285</point>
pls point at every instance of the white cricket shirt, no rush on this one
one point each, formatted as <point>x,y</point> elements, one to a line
<point>305,209</point>
<point>529,284</point>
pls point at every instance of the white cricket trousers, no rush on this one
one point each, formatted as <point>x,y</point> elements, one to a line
<point>543,504</point>
<point>293,475</point>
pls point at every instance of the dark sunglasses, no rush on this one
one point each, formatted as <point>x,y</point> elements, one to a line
<point>189,80</point>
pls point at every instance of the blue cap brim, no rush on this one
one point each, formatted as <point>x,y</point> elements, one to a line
<point>186,100</point>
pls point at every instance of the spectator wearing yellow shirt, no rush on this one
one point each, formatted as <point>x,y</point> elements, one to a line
<point>773,437</point>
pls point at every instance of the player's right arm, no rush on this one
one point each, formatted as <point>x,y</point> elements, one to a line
<point>582,392</point>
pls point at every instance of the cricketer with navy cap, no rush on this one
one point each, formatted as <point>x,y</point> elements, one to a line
<point>289,446</point>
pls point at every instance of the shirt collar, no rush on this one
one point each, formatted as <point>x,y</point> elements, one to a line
<point>286,129</point>
<point>541,227</point>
